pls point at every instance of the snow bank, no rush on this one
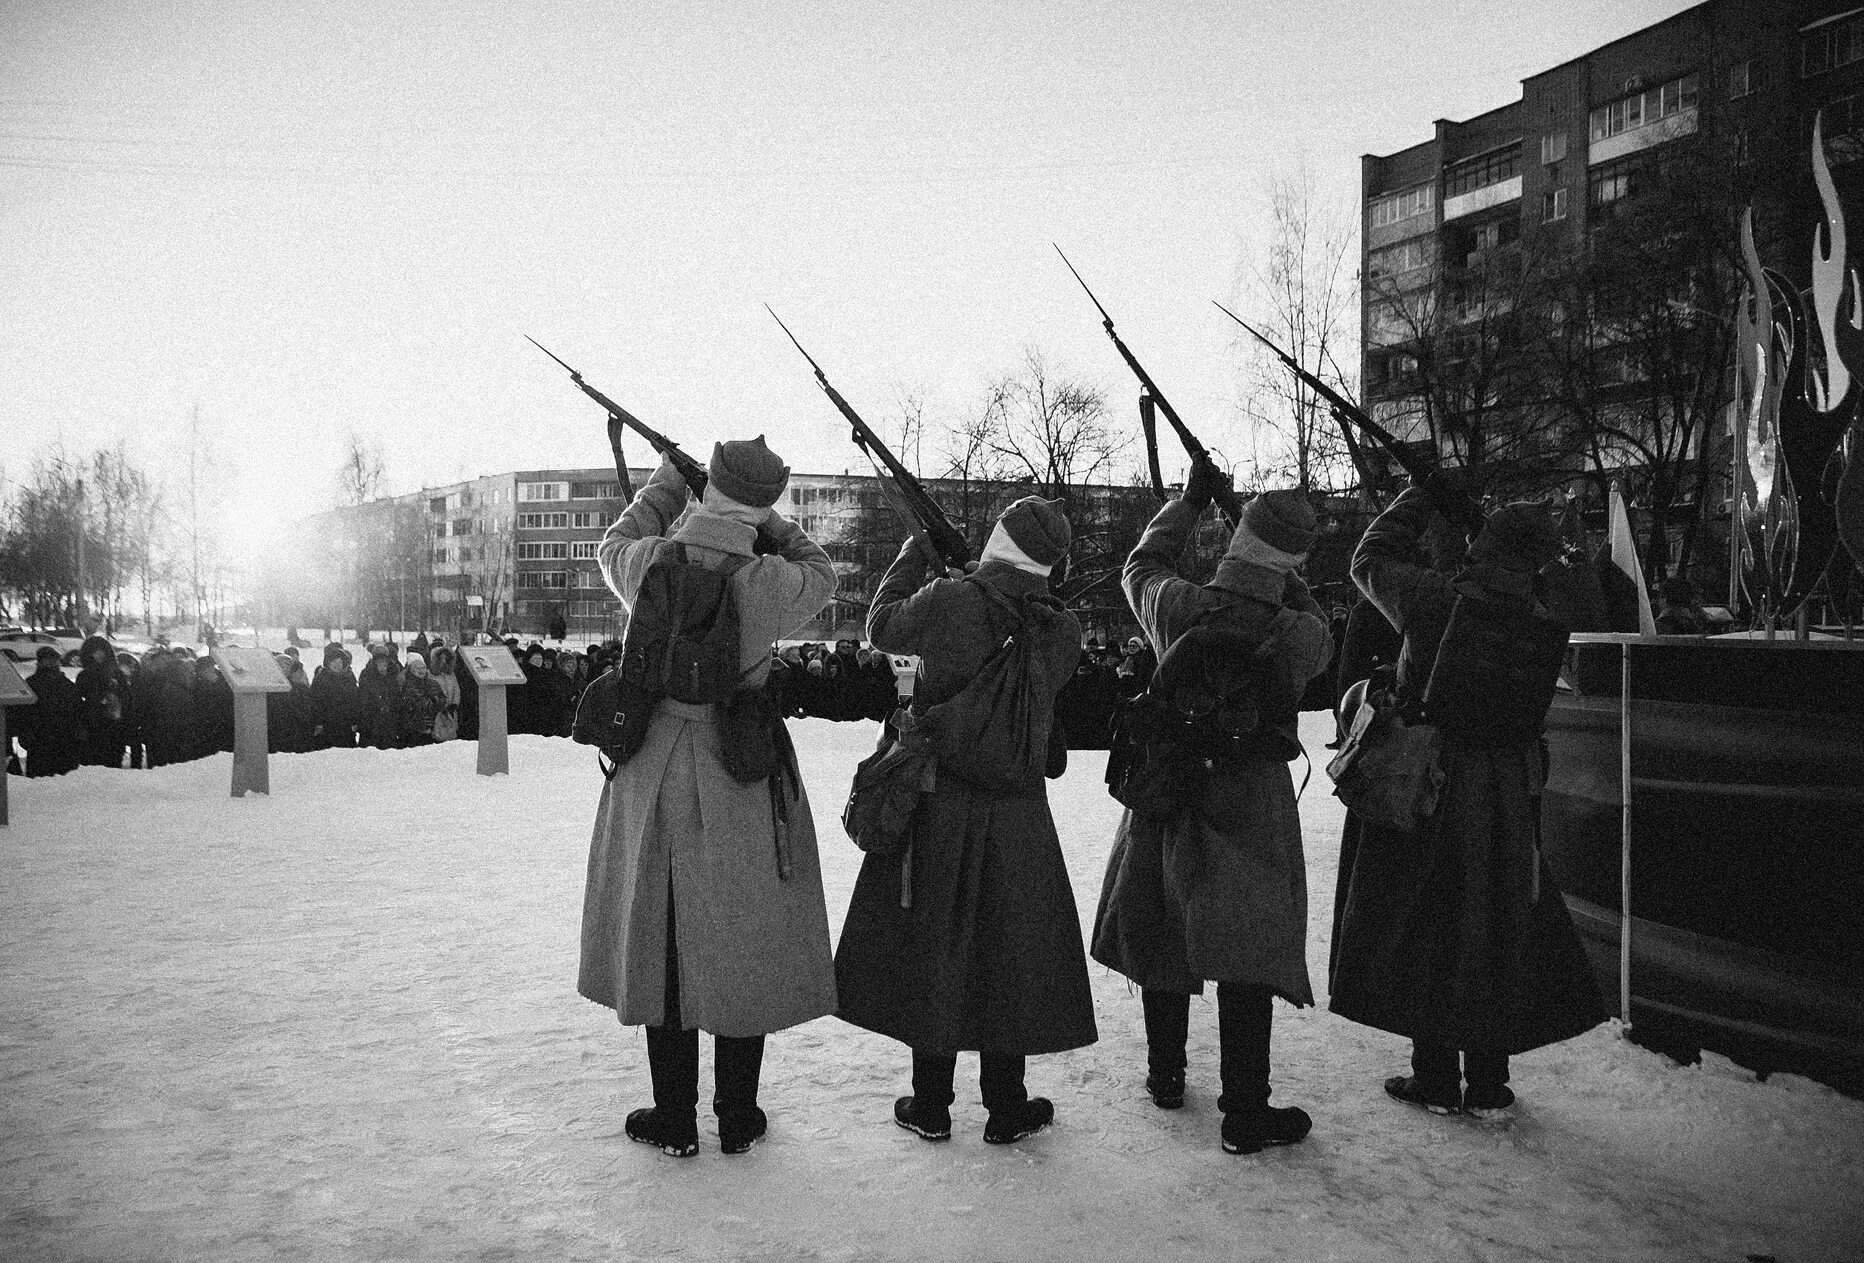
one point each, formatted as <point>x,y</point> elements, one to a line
<point>341,1023</point>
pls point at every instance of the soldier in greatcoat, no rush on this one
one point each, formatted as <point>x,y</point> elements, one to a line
<point>1456,936</point>
<point>704,907</point>
<point>1219,892</point>
<point>988,955</point>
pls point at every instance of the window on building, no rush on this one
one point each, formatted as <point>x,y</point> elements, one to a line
<point>1740,147</point>
<point>437,505</point>
<point>589,579</point>
<point>543,490</point>
<point>585,521</point>
<point>543,579</point>
<point>551,550</point>
<point>1740,79</point>
<point>1641,109</point>
<point>465,555</point>
<point>1830,46</point>
<point>543,521</point>
<point>595,490</point>
<point>1392,208</point>
<point>1552,205</point>
<point>1482,170</point>
<point>1552,147</point>
<point>1609,185</point>
<point>584,549</point>
<point>440,557</point>
<point>1406,256</point>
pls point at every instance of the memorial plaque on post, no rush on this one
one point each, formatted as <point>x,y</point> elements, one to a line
<point>251,674</point>
<point>494,670</point>
<point>13,692</point>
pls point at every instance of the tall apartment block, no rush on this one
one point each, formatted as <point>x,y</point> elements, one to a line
<point>1743,78</point>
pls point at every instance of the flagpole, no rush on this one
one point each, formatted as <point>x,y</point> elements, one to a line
<point>1624,846</point>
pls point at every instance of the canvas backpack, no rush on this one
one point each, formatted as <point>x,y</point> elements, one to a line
<point>996,732</point>
<point>1216,697</point>
<point>682,643</point>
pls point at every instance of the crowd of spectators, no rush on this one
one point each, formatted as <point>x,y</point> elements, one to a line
<point>169,705</point>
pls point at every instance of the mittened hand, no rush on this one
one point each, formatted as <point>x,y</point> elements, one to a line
<point>1202,486</point>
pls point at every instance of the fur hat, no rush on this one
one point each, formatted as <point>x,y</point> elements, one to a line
<point>748,472</point>
<point>1039,527</point>
<point>1518,536</point>
<point>1281,519</point>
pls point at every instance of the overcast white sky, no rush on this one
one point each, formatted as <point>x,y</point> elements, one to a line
<point>312,218</point>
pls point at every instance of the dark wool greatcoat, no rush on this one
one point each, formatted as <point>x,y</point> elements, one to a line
<point>988,957</point>
<point>753,945</point>
<point>1456,935</point>
<point>52,730</point>
<point>334,706</point>
<point>376,721</point>
<point>1218,893</point>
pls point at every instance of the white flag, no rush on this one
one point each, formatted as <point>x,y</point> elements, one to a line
<point>1624,556</point>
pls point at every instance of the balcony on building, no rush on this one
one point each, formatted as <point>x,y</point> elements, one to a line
<point>1483,181</point>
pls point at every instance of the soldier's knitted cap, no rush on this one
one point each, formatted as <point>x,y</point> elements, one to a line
<point>1040,528</point>
<point>1518,536</point>
<point>748,472</point>
<point>1281,519</point>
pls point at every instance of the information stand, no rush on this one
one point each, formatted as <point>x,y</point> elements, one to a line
<point>494,670</point>
<point>251,674</point>
<point>13,692</point>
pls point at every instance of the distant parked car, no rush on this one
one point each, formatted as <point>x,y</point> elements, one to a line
<point>24,646</point>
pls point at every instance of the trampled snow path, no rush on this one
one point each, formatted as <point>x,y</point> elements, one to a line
<point>341,1023</point>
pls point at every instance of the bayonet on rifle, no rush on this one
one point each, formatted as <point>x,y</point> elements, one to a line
<point>691,470</point>
<point>1464,512</point>
<point>905,493</point>
<point>1228,503</point>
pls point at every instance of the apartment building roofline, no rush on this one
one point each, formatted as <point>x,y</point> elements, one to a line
<point>1642,32</point>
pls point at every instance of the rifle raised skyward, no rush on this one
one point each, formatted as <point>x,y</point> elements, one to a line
<point>691,470</point>
<point>1347,413</point>
<point>1228,502</point>
<point>907,496</point>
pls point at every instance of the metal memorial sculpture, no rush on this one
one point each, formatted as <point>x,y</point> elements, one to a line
<point>1799,380</point>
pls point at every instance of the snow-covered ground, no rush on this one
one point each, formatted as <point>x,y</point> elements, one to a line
<point>341,1023</point>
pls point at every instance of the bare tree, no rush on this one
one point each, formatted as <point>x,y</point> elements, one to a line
<point>1301,291</point>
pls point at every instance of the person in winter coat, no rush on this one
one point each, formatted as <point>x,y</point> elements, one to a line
<point>131,667</point>
<point>166,701</point>
<point>1218,892</point>
<point>51,729</point>
<point>334,704</point>
<point>468,698</point>
<point>1457,937</point>
<point>709,918</point>
<point>289,716</point>
<point>447,722</point>
<point>213,710</point>
<point>988,956</point>
<point>376,723</point>
<point>103,703</point>
<point>418,702</point>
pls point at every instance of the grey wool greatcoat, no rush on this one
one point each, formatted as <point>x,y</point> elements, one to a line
<point>1456,935</point>
<point>988,958</point>
<point>1218,893</point>
<point>753,947</point>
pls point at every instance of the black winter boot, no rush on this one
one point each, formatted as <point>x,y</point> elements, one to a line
<point>1006,1127</point>
<point>924,1121</point>
<point>1168,1017</point>
<point>736,1065</point>
<point>675,1137</point>
<point>1415,1090</point>
<point>1253,1130</point>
